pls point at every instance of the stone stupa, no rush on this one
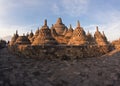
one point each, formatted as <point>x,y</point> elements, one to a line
<point>90,38</point>
<point>45,36</point>
<point>78,36</point>
<point>69,32</point>
<point>30,37</point>
<point>60,27</point>
<point>22,40</point>
<point>35,36</point>
<point>53,31</point>
<point>14,38</point>
<point>59,38</point>
<point>100,38</point>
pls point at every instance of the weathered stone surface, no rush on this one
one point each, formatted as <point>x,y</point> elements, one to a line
<point>60,51</point>
<point>100,71</point>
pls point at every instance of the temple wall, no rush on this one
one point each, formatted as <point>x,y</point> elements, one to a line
<point>58,51</point>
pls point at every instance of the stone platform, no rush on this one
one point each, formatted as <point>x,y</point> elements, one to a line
<point>59,51</point>
<point>20,71</point>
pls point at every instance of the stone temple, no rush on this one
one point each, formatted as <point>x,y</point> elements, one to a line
<point>60,40</point>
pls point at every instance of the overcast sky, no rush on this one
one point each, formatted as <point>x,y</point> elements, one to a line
<point>24,15</point>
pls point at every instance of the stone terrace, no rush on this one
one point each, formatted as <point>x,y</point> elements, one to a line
<point>99,71</point>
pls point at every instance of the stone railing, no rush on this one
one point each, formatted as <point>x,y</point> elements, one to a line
<point>60,51</point>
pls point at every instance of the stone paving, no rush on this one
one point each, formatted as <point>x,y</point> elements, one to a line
<point>20,71</point>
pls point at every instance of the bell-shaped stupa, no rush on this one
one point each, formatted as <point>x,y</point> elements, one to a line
<point>31,35</point>
<point>100,38</point>
<point>45,36</point>
<point>14,38</point>
<point>78,36</point>
<point>22,40</point>
<point>90,39</point>
<point>60,27</point>
<point>69,32</point>
<point>53,31</point>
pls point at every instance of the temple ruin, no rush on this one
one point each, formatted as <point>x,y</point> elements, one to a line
<point>59,41</point>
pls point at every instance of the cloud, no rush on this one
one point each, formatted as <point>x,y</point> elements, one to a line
<point>55,9</point>
<point>110,24</point>
<point>112,30</point>
<point>70,7</point>
<point>11,29</point>
<point>14,16</point>
<point>75,7</point>
<point>20,14</point>
<point>7,38</point>
<point>7,6</point>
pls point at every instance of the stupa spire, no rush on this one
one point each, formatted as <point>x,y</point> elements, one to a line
<point>27,34</point>
<point>31,31</point>
<point>59,21</point>
<point>70,26</point>
<point>38,28</point>
<point>103,33</point>
<point>52,25</point>
<point>16,31</point>
<point>88,32</point>
<point>23,34</point>
<point>45,22</point>
<point>97,28</point>
<point>78,23</point>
